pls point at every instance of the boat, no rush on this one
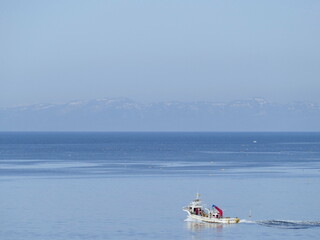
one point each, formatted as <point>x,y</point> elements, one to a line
<point>197,211</point>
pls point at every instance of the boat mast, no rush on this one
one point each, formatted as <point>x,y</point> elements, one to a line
<point>198,196</point>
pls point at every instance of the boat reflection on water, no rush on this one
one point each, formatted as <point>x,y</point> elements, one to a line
<point>195,226</point>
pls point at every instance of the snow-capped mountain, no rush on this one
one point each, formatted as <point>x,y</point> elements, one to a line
<point>122,114</point>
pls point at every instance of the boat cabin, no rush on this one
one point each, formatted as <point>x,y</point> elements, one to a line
<point>196,208</point>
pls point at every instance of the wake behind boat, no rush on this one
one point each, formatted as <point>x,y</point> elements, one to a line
<point>196,211</point>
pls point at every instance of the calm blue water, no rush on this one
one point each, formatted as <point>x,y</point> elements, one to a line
<point>134,185</point>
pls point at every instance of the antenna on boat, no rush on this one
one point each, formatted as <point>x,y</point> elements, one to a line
<point>198,195</point>
<point>250,213</point>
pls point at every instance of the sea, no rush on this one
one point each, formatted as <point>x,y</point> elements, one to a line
<point>133,185</point>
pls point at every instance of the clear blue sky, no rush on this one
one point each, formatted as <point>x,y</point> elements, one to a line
<point>56,51</point>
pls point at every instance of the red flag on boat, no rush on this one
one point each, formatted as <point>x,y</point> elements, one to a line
<point>218,209</point>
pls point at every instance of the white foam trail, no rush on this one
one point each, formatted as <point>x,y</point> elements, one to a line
<point>289,224</point>
<point>246,221</point>
<point>189,219</point>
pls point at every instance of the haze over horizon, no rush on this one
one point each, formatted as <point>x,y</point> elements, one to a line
<point>121,114</point>
<point>256,99</point>
<point>155,51</point>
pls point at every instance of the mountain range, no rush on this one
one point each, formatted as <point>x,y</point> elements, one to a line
<point>122,114</point>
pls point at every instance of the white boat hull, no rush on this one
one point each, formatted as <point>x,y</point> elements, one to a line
<point>224,220</point>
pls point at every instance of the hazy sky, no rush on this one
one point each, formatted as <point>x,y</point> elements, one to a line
<point>56,51</point>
